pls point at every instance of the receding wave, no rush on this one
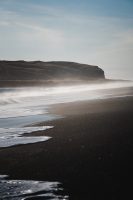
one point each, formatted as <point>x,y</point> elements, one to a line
<point>24,190</point>
<point>14,136</point>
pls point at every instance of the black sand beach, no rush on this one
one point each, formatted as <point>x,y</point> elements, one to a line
<point>90,152</point>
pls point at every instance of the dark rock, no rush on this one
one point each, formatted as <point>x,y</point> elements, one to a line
<point>24,73</point>
<point>57,70</point>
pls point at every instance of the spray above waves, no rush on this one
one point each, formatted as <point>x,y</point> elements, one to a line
<point>26,102</point>
<point>26,97</point>
<point>16,95</point>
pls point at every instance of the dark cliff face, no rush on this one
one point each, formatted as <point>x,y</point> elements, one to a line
<point>46,71</point>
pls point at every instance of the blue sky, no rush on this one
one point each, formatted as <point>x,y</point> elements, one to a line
<point>98,32</point>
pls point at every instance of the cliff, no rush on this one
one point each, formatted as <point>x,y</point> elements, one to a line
<point>48,71</point>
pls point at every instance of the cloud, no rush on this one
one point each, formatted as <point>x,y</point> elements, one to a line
<point>28,28</point>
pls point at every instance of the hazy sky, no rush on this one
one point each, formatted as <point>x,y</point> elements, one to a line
<point>98,32</point>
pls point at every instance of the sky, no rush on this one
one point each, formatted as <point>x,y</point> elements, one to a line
<point>97,32</point>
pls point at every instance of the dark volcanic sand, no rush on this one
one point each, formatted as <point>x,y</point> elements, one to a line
<point>91,151</point>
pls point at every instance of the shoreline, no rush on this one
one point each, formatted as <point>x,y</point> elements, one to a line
<point>55,83</point>
<point>90,152</point>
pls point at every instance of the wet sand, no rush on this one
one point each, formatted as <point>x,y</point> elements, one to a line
<point>91,151</point>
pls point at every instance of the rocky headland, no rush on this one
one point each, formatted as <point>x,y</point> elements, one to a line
<point>29,73</point>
